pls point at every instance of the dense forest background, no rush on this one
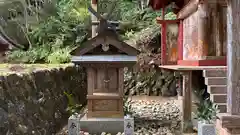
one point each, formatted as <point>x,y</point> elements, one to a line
<point>47,30</point>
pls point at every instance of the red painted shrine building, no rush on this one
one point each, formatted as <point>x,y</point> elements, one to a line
<point>201,44</point>
<point>201,33</point>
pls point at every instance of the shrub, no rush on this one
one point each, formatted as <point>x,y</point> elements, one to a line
<point>59,56</point>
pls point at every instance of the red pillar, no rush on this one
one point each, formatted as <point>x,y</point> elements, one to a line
<point>163,40</point>
<point>180,41</point>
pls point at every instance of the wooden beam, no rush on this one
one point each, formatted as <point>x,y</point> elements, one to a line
<point>104,97</point>
<point>187,102</point>
<point>222,3</point>
<point>188,9</point>
<point>233,57</point>
<point>160,21</point>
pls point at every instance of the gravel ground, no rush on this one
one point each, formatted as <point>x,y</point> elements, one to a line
<point>154,117</point>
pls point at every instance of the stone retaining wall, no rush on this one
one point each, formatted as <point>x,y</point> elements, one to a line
<point>34,103</point>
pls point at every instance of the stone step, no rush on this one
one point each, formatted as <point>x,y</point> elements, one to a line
<point>222,107</point>
<point>216,81</point>
<point>215,73</point>
<point>219,98</point>
<point>217,89</point>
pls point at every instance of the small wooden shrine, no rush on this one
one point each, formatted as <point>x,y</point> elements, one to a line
<point>105,57</point>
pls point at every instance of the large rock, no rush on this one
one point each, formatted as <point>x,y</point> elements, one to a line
<point>36,101</point>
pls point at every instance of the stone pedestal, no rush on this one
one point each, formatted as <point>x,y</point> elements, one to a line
<point>73,125</point>
<point>128,125</point>
<point>99,125</point>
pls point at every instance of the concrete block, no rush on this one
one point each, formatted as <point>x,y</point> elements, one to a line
<point>216,81</point>
<point>128,125</point>
<point>218,89</point>
<point>222,108</point>
<point>219,98</point>
<point>215,73</point>
<point>73,125</point>
<point>99,125</point>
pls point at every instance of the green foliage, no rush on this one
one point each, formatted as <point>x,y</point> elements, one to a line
<point>73,107</point>
<point>127,106</point>
<point>40,54</point>
<point>51,38</point>
<point>206,110</point>
<point>52,28</point>
<point>33,55</point>
<point>59,56</point>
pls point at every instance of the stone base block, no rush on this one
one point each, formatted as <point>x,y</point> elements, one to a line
<point>99,125</point>
<point>73,125</point>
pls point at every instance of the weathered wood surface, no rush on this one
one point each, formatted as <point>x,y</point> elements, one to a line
<point>219,29</point>
<point>233,55</point>
<point>188,9</point>
<point>103,96</point>
<point>229,121</point>
<point>216,29</point>
<point>190,37</point>
<point>105,92</point>
<point>121,82</point>
<point>187,102</point>
<point>202,43</point>
<point>107,80</point>
<point>224,24</point>
<point>105,105</point>
<point>90,80</point>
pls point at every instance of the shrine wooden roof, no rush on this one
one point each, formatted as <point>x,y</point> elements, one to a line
<point>108,37</point>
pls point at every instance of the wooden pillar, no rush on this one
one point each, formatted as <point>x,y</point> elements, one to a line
<point>230,121</point>
<point>233,58</point>
<point>94,4</point>
<point>216,20</point>
<point>202,30</point>
<point>187,102</point>
<point>218,30</point>
<point>90,87</point>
